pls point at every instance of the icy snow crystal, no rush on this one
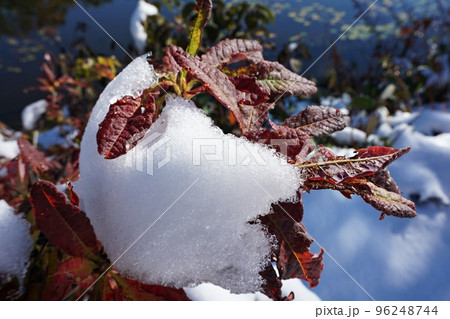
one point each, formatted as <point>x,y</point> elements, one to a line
<point>183,197</point>
<point>16,242</point>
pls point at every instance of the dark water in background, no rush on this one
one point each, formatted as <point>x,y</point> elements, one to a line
<point>318,23</point>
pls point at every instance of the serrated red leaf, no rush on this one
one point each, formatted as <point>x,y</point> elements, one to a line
<point>169,62</point>
<point>389,203</point>
<point>293,257</point>
<point>249,92</point>
<point>125,124</point>
<point>252,99</point>
<point>318,120</point>
<point>297,144</point>
<point>279,80</point>
<point>366,163</point>
<point>215,82</point>
<point>64,224</point>
<point>383,179</point>
<point>229,51</point>
<point>35,158</point>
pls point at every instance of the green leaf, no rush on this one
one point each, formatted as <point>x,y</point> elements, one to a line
<point>204,9</point>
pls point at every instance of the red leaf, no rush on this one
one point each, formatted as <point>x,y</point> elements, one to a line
<point>366,163</point>
<point>389,203</point>
<point>64,224</point>
<point>234,50</point>
<point>134,290</point>
<point>272,284</point>
<point>251,98</point>
<point>73,196</point>
<point>293,257</point>
<point>35,158</point>
<point>249,91</point>
<point>292,143</point>
<point>71,279</point>
<point>215,82</point>
<point>169,62</point>
<point>318,120</point>
<point>125,124</point>
<point>279,80</point>
<point>365,175</point>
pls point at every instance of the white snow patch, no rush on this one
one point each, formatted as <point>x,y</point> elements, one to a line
<point>351,136</point>
<point>202,236</point>
<point>32,112</point>
<point>8,149</point>
<point>431,122</point>
<point>137,30</point>
<point>16,242</point>
<point>210,292</point>
<point>433,178</point>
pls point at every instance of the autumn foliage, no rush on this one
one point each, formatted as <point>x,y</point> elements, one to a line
<point>69,263</point>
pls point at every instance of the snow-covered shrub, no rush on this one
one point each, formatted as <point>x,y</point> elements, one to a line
<point>169,200</point>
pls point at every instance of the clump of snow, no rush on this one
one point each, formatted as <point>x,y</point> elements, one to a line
<point>137,30</point>
<point>354,136</point>
<point>210,292</point>
<point>188,189</point>
<point>32,112</point>
<point>16,242</point>
<point>8,149</point>
<point>432,177</point>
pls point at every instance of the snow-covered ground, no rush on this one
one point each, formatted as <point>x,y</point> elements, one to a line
<point>392,259</point>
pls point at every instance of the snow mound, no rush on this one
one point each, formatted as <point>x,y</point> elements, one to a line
<point>16,242</point>
<point>32,112</point>
<point>137,30</point>
<point>8,149</point>
<point>176,209</point>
